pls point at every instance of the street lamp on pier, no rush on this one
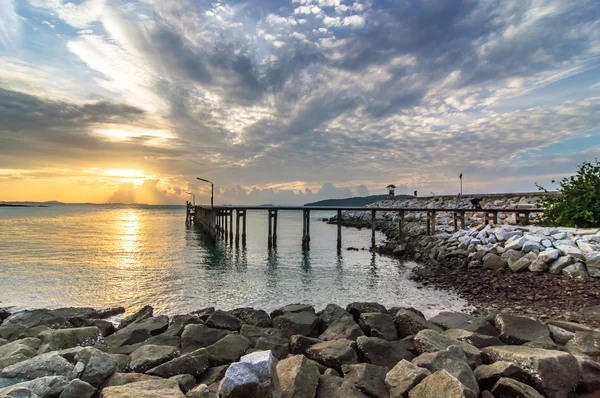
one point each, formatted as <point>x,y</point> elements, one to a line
<point>212,190</point>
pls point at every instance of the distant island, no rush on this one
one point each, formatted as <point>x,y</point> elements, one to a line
<point>20,205</point>
<point>356,201</point>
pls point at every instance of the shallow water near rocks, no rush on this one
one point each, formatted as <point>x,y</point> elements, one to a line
<point>104,255</point>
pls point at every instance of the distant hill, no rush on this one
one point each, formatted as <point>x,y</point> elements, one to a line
<point>354,202</point>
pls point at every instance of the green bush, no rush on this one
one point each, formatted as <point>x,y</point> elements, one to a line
<point>578,201</point>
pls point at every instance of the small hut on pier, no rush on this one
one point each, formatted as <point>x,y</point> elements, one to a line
<point>391,189</point>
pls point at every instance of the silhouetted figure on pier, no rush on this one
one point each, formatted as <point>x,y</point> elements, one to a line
<point>476,203</point>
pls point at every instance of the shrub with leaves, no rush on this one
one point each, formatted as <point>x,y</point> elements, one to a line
<point>578,201</point>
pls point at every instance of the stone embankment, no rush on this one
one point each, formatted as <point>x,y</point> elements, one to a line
<point>364,350</point>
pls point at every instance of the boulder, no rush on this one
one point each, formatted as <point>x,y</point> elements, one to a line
<point>458,320</point>
<point>254,376</point>
<point>253,333</point>
<point>120,379</point>
<point>98,366</point>
<point>222,320</point>
<point>330,314</point>
<point>328,386</point>
<point>229,349</point>
<point>551,372</point>
<point>376,324</point>
<point>549,255</point>
<point>538,266</point>
<point>509,388</point>
<point>560,335</point>
<point>293,308</point>
<point>592,262</point>
<point>155,388</point>
<point>408,323</point>
<point>299,344</point>
<point>32,318</point>
<point>194,363</point>
<point>43,387</point>
<point>511,255</point>
<point>186,382</point>
<point>277,345</point>
<point>54,340</point>
<point>576,271</point>
<point>334,354</point>
<point>357,308</point>
<point>138,331</point>
<point>515,244</point>
<point>530,246</point>
<point>367,378</point>
<point>559,264</point>
<point>213,375</point>
<point>403,377</point>
<point>493,261</point>
<point>250,316</point>
<point>585,343</point>
<point>453,360</point>
<point>305,323</point>
<point>200,391</point>
<point>381,352</point>
<point>143,313</point>
<point>523,263</point>
<point>164,339</point>
<point>149,356</point>
<point>18,351</point>
<point>589,370</point>
<point>78,389</point>
<point>475,339</point>
<point>516,329</point>
<point>343,328</point>
<point>488,375</point>
<point>50,364</point>
<point>430,341</point>
<point>441,384</point>
<point>204,313</point>
<point>298,377</point>
<point>572,251</point>
<point>200,336</point>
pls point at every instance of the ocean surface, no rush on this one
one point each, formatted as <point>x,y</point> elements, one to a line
<point>108,255</point>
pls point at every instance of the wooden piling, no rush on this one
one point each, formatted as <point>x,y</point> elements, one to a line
<point>373,217</point>
<point>244,229</point>
<point>270,235</point>
<point>339,229</point>
<point>400,225</point>
<point>237,228</point>
<point>275,228</point>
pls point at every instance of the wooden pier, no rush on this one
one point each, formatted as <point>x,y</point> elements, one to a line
<point>217,222</point>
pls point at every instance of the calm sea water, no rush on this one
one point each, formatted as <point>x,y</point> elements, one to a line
<point>100,256</point>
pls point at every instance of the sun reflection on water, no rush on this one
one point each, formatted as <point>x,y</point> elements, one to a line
<point>128,230</point>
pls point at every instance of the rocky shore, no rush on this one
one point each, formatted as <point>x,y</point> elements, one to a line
<point>363,350</point>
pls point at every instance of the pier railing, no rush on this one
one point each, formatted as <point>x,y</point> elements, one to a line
<point>218,223</point>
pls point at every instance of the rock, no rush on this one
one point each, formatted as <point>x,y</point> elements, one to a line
<point>441,384</point>
<point>572,251</point>
<point>530,246</point>
<point>163,339</point>
<point>576,271</point>
<point>591,313</point>
<point>549,255</point>
<point>330,314</point>
<point>376,324</point>
<point>509,388</point>
<point>551,372</point>
<point>78,389</point>
<point>334,354</point>
<point>589,371</point>
<point>367,378</point>
<point>120,379</point>
<point>137,331</point>
<point>357,308</point>
<point>430,341</point>
<point>213,375</point>
<point>592,262</point>
<point>538,266</point>
<point>511,255</point>
<point>343,328</point>
<point>277,345</point>
<point>253,317</point>
<point>516,329</point>
<point>50,364</point>
<point>493,261</point>
<point>149,356</point>
<point>475,339</point>
<point>561,263</point>
<point>194,363</point>
<point>408,323</point>
<point>523,263</point>
<point>200,336</point>
<point>31,318</point>
<point>458,320</point>
<point>403,377</point>
<point>99,366</point>
<point>222,320</point>
<point>570,326</point>
<point>299,343</point>
<point>298,377</point>
<point>381,352</point>
<point>54,340</point>
<point>329,386</point>
<point>204,313</point>
<point>560,335</point>
<point>229,349</point>
<point>585,343</point>
<point>454,361</point>
<point>515,244</point>
<point>200,391</point>
<point>186,382</point>
<point>43,387</point>
<point>143,313</point>
<point>305,323</point>
<point>254,376</point>
<point>156,388</point>
<point>18,351</point>
<point>488,375</point>
<point>253,333</point>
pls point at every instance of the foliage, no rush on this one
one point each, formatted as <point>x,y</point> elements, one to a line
<point>578,201</point>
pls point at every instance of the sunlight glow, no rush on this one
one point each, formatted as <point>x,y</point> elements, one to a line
<point>137,135</point>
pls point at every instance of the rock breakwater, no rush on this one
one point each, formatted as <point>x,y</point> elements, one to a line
<point>363,350</point>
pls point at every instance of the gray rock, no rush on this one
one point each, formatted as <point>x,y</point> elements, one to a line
<point>329,386</point>
<point>530,246</point>
<point>515,244</point>
<point>54,340</point>
<point>200,391</point>
<point>186,382</point>
<point>549,255</point>
<point>334,354</point>
<point>138,331</point>
<point>403,377</point>
<point>18,351</point>
<point>576,271</point>
<point>572,251</point>
<point>229,349</point>
<point>523,263</point>
<point>50,364</point>
<point>509,388</point>
<point>585,343</point>
<point>592,262</point>
<point>475,339</point>
<point>570,326</point>
<point>254,376</point>
<point>99,366</point>
<point>551,372</point>
<point>200,336</point>
<point>253,333</point>
<point>381,352</point>
<point>149,356</point>
<point>589,371</point>
<point>277,345</point>
<point>538,266</point>
<point>330,314</point>
<point>560,335</point>
<point>516,329</point>
<point>78,389</point>
<point>357,308</point>
<point>194,363</point>
<point>298,377</point>
<point>32,318</point>
<point>43,387</point>
<point>511,255</point>
<point>120,379</point>
<point>204,313</point>
<point>143,313</point>
<point>222,320</point>
<point>164,339</point>
<point>154,388</point>
<point>453,360</point>
<point>430,341</point>
<point>250,316</point>
<point>408,323</point>
<point>376,324</point>
<point>305,323</point>
<point>367,378</point>
<point>458,320</point>
<point>342,328</point>
<point>213,375</point>
<point>299,343</point>
<point>488,375</point>
<point>561,263</point>
<point>493,261</point>
<point>441,384</point>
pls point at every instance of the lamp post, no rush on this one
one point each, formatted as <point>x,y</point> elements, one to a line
<point>212,190</point>
<point>193,198</point>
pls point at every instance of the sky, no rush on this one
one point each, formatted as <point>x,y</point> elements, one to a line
<point>288,102</point>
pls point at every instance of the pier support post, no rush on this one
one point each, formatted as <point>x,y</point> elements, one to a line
<point>526,218</point>
<point>455,218</point>
<point>463,224</point>
<point>400,225</point>
<point>373,217</point>
<point>305,228</point>
<point>431,223</point>
<point>339,229</point>
<point>244,229</point>
<point>275,228</point>
<point>237,228</point>
<point>270,235</point>
<point>495,218</point>
<point>231,225</point>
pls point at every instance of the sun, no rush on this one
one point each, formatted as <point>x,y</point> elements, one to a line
<point>126,175</point>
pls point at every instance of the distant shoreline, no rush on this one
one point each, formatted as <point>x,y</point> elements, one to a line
<point>11,205</point>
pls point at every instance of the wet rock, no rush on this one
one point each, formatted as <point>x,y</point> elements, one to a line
<point>32,318</point>
<point>367,378</point>
<point>357,308</point>
<point>204,313</point>
<point>305,323</point>
<point>186,382</point>
<point>293,308</point>
<point>452,360</point>
<point>18,351</point>
<point>250,316</point>
<point>560,335</point>
<point>155,388</point>
<point>298,377</point>
<point>488,375</point>
<point>43,387</point>
<point>458,320</point>
<point>493,261</point>
<point>277,345</point>
<point>330,314</point>
<point>576,271</point>
<point>376,324</point>
<point>475,339</point>
<point>78,389</point>
<point>138,330</point>
<point>229,349</point>
<point>381,352</point>
<point>516,329</point>
<point>200,336</point>
<point>143,313</point>
<point>253,333</point>
<point>50,364</point>
<point>585,343</point>
<point>408,323</point>
<point>194,363</point>
<point>222,320</point>
<point>589,370</point>
<point>551,372</point>
<point>561,263</point>
<point>99,366</point>
<point>509,388</point>
<point>334,354</point>
<point>403,377</point>
<point>213,375</point>
<point>54,340</point>
<point>254,376</point>
<point>149,356</point>
<point>427,341</point>
<point>343,328</point>
<point>299,344</point>
<point>163,339</point>
<point>441,384</point>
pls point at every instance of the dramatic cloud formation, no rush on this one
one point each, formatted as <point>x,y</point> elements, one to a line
<point>291,102</point>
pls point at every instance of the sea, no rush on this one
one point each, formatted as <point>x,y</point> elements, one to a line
<point>135,255</point>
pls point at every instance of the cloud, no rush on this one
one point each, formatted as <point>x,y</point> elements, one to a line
<point>10,24</point>
<point>148,192</point>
